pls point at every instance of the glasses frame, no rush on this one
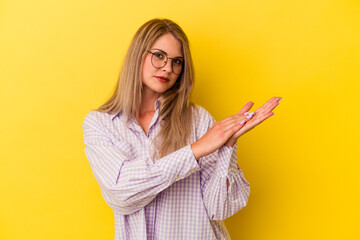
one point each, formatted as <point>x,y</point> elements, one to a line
<point>166,61</point>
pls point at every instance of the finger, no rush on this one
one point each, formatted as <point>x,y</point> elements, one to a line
<point>272,106</point>
<point>230,132</point>
<point>236,119</point>
<point>267,108</point>
<point>259,117</point>
<point>251,123</point>
<point>245,108</point>
<point>220,133</point>
<point>265,105</point>
<point>229,122</point>
<point>269,105</point>
<point>254,122</point>
<point>232,124</point>
<point>240,116</point>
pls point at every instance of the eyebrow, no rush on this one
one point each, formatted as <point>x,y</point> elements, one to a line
<point>166,52</point>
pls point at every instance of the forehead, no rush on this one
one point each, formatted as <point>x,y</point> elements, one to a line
<point>169,44</point>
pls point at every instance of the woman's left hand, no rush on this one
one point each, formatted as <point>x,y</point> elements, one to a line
<point>261,114</point>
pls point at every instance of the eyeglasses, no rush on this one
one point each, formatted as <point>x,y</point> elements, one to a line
<point>159,59</point>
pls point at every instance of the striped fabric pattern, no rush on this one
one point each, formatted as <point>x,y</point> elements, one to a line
<point>175,197</point>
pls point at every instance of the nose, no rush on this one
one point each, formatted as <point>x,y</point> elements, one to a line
<point>167,66</point>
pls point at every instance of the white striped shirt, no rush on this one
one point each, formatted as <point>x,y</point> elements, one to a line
<point>173,198</point>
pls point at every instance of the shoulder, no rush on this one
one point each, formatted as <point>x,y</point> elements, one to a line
<point>202,120</point>
<point>96,118</point>
<point>201,114</point>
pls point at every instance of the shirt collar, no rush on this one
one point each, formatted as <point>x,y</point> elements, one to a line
<point>130,122</point>
<point>156,106</point>
<point>114,115</point>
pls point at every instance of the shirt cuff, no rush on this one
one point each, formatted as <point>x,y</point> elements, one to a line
<point>226,160</point>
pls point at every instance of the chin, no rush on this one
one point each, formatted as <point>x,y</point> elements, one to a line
<point>158,90</point>
<point>161,89</point>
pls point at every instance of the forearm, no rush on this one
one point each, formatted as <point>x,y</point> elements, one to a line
<point>133,184</point>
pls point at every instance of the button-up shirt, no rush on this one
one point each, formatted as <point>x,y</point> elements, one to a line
<point>172,198</point>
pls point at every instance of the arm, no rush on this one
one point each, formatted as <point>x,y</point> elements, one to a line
<point>224,187</point>
<point>223,200</point>
<point>128,183</point>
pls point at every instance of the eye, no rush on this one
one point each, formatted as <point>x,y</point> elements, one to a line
<point>177,61</point>
<point>159,55</point>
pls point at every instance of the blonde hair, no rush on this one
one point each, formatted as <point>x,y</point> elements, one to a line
<point>175,109</point>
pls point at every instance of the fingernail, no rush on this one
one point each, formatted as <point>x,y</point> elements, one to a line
<point>252,113</point>
<point>242,122</point>
<point>250,116</point>
<point>280,98</point>
<point>278,103</point>
<point>246,113</point>
<point>273,114</point>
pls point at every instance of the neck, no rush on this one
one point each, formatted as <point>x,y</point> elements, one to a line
<point>147,102</point>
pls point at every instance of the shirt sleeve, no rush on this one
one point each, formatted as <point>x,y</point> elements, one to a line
<point>129,183</point>
<point>221,201</point>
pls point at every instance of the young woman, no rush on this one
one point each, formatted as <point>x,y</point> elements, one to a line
<point>165,167</point>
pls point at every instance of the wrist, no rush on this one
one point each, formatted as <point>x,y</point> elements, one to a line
<point>230,143</point>
<point>195,151</point>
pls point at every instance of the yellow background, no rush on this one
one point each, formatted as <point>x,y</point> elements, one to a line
<point>61,59</point>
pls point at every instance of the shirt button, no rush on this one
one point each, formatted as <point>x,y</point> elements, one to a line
<point>192,170</point>
<point>177,177</point>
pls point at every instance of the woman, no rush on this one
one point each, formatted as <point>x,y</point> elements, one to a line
<point>163,165</point>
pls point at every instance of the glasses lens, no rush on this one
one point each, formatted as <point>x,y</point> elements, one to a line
<point>177,65</point>
<point>158,59</point>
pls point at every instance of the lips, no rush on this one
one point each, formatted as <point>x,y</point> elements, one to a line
<point>162,79</point>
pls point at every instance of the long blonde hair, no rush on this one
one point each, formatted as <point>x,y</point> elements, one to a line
<point>175,109</point>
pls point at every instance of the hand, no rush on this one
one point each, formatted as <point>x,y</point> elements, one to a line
<point>261,114</point>
<point>220,133</point>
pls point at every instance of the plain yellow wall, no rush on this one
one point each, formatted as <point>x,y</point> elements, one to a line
<point>60,59</point>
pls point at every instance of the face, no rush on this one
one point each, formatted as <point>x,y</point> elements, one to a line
<point>158,80</point>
